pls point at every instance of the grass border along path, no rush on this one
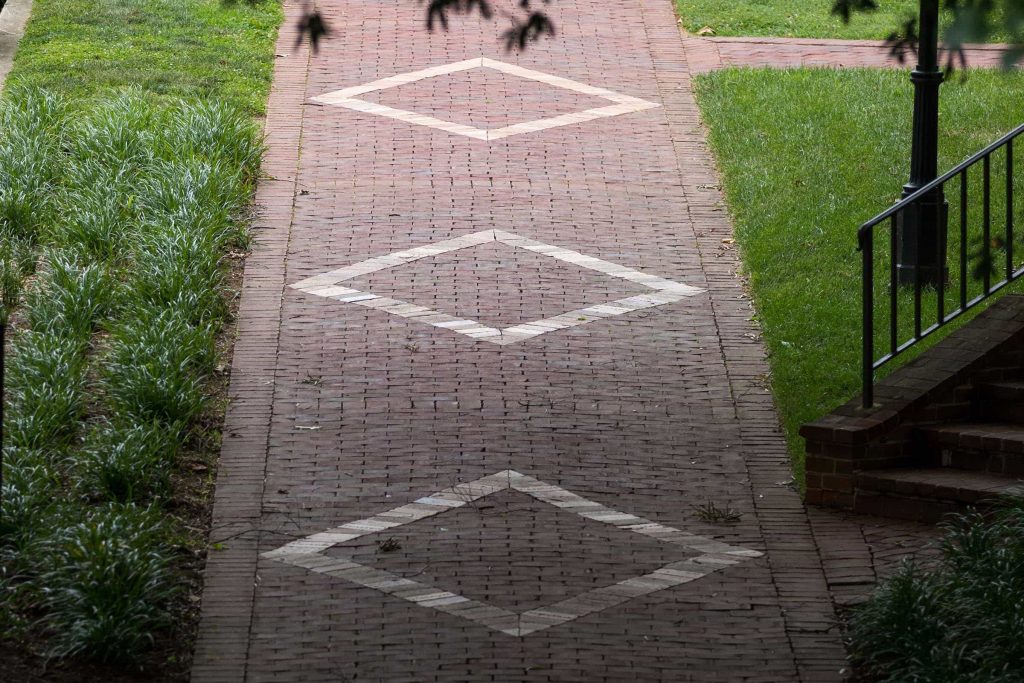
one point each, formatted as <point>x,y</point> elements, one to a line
<point>122,217</point>
<point>806,156</point>
<point>791,18</point>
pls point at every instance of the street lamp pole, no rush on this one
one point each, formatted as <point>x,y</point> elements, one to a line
<point>922,224</point>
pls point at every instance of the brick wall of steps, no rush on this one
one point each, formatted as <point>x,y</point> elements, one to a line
<point>946,432</point>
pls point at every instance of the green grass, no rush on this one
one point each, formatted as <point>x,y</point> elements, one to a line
<point>806,156</point>
<point>793,18</point>
<point>961,621</point>
<point>179,48</point>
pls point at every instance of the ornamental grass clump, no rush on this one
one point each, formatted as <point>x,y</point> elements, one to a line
<point>117,134</point>
<point>45,390</point>
<point>961,621</point>
<point>29,508</point>
<point>108,585</point>
<point>70,300</point>
<point>29,515</point>
<point>213,130</point>
<point>126,463</point>
<point>203,195</point>
<point>178,269</point>
<point>156,367</point>
<point>10,285</point>
<point>31,133</point>
<point>95,218</point>
<point>129,207</point>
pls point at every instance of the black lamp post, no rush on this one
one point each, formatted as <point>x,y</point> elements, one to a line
<point>922,225</point>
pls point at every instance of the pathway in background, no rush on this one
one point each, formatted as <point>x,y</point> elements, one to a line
<point>13,20</point>
<point>497,403</point>
<point>711,53</point>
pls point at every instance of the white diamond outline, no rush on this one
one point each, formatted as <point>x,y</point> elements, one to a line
<point>307,553</point>
<point>327,285</point>
<point>347,97</point>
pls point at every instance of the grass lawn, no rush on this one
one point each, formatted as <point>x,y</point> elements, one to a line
<point>792,18</point>
<point>806,156</point>
<point>187,48</point>
<point>128,157</point>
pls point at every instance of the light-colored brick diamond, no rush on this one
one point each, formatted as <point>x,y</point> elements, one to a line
<point>349,98</point>
<point>663,291</point>
<point>308,553</point>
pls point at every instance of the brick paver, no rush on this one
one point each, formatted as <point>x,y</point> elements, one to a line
<point>711,53</point>
<point>481,460</point>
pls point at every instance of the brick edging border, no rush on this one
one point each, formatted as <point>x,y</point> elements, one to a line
<point>793,555</point>
<point>832,42</point>
<point>230,577</point>
<point>711,53</point>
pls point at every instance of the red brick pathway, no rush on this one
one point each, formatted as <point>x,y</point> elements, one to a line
<point>420,481</point>
<point>711,53</point>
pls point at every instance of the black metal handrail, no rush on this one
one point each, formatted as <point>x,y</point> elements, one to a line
<point>892,216</point>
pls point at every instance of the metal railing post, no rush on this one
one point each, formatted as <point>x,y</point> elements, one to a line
<point>915,271</point>
<point>868,320</point>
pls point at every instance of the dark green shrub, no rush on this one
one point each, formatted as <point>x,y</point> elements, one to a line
<point>959,622</point>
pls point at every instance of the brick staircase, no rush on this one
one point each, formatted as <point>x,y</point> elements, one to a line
<point>973,457</point>
<point>946,432</point>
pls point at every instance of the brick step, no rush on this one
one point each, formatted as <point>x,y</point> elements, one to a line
<point>1002,401</point>
<point>960,410</point>
<point>927,494</point>
<point>995,447</point>
<point>1006,390</point>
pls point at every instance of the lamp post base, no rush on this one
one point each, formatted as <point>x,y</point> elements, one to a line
<point>921,241</point>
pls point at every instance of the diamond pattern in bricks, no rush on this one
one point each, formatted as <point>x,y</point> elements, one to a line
<point>484,98</point>
<point>497,285</point>
<point>495,552</point>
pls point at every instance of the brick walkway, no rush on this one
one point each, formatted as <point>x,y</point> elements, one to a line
<point>709,54</point>
<point>492,354</point>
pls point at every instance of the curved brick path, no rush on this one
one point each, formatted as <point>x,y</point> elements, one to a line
<point>492,353</point>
